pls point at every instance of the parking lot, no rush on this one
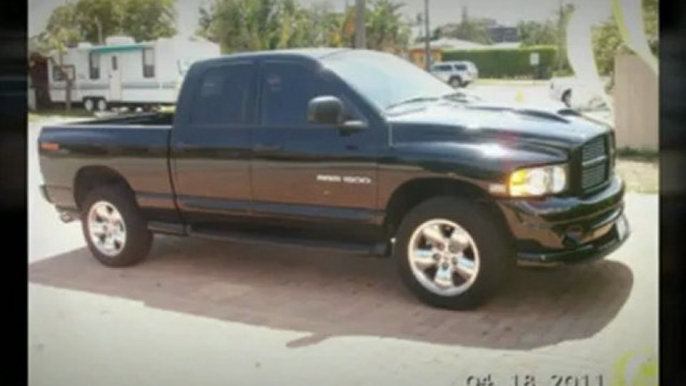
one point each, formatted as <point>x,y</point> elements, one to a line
<point>201,312</point>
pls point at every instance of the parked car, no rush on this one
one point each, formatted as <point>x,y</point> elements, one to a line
<point>574,93</point>
<point>456,73</point>
<point>344,149</point>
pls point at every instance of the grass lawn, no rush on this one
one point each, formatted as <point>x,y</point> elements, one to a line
<point>641,174</point>
<point>49,113</point>
<point>510,82</point>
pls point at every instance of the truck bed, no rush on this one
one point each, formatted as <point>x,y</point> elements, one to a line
<point>134,147</point>
<point>149,119</point>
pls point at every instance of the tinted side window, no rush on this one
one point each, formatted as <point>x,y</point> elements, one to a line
<point>224,96</point>
<point>287,89</point>
<point>461,67</point>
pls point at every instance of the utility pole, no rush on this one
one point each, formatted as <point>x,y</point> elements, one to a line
<point>561,44</point>
<point>99,25</point>
<point>427,37</point>
<point>360,28</point>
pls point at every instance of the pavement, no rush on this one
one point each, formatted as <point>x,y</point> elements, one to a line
<point>217,313</point>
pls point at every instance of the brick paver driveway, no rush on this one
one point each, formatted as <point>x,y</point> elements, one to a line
<point>334,294</point>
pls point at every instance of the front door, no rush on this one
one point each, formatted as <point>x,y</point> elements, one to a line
<point>115,79</point>
<point>304,171</point>
<point>211,144</point>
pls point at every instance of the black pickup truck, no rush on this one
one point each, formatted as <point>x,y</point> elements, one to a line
<point>346,149</point>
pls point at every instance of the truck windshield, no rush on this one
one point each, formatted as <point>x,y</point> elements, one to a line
<point>384,79</point>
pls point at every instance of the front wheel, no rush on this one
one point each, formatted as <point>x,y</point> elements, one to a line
<point>451,253</point>
<point>89,104</point>
<point>116,232</point>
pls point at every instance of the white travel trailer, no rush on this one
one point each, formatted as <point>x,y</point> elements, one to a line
<point>125,73</point>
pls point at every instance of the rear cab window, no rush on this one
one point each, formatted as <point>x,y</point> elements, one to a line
<point>225,96</point>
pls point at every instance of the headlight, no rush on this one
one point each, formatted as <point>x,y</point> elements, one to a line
<point>538,181</point>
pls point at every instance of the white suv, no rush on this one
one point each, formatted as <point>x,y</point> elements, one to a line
<point>456,74</point>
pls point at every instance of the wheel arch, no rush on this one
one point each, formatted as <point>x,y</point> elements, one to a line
<point>456,76</point>
<point>412,193</point>
<point>91,177</point>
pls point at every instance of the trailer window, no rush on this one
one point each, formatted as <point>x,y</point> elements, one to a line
<point>148,63</point>
<point>94,65</point>
<point>57,75</point>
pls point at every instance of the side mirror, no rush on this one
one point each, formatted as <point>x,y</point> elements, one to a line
<point>326,109</point>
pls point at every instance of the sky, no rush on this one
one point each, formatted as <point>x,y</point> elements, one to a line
<point>440,11</point>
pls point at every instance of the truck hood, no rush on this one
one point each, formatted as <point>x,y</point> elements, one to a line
<point>555,127</point>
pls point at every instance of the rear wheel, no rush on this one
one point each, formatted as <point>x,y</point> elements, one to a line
<point>116,232</point>
<point>455,82</point>
<point>452,254</point>
<point>102,104</point>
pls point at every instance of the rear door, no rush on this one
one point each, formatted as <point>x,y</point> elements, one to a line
<point>310,172</point>
<point>115,79</point>
<point>442,71</point>
<point>211,144</point>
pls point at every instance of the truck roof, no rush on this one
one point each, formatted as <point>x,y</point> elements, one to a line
<point>310,53</point>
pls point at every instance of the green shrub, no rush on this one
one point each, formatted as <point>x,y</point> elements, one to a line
<point>509,63</point>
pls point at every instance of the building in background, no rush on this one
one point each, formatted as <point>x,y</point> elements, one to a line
<point>502,33</point>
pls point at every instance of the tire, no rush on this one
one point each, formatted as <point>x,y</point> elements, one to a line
<point>489,253</point>
<point>567,98</point>
<point>455,82</point>
<point>137,238</point>
<point>102,104</point>
<point>89,104</point>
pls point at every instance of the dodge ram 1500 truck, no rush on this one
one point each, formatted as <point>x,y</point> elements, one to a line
<point>347,149</point>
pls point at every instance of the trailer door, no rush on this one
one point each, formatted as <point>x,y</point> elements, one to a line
<point>115,79</point>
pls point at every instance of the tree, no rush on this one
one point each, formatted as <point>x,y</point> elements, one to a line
<point>534,33</point>
<point>241,25</point>
<point>146,20</point>
<point>97,19</point>
<point>469,29</point>
<point>607,41</point>
<point>386,28</point>
<point>61,32</point>
<point>247,25</point>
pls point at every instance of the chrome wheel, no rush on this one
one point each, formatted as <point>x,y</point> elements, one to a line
<point>443,257</point>
<point>106,228</point>
<point>102,105</point>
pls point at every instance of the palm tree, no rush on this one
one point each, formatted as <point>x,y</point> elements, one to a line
<point>386,28</point>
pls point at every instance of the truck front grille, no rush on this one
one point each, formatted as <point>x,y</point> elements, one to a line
<point>595,168</point>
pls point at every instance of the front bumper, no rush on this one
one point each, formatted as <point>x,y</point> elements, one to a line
<point>565,230</point>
